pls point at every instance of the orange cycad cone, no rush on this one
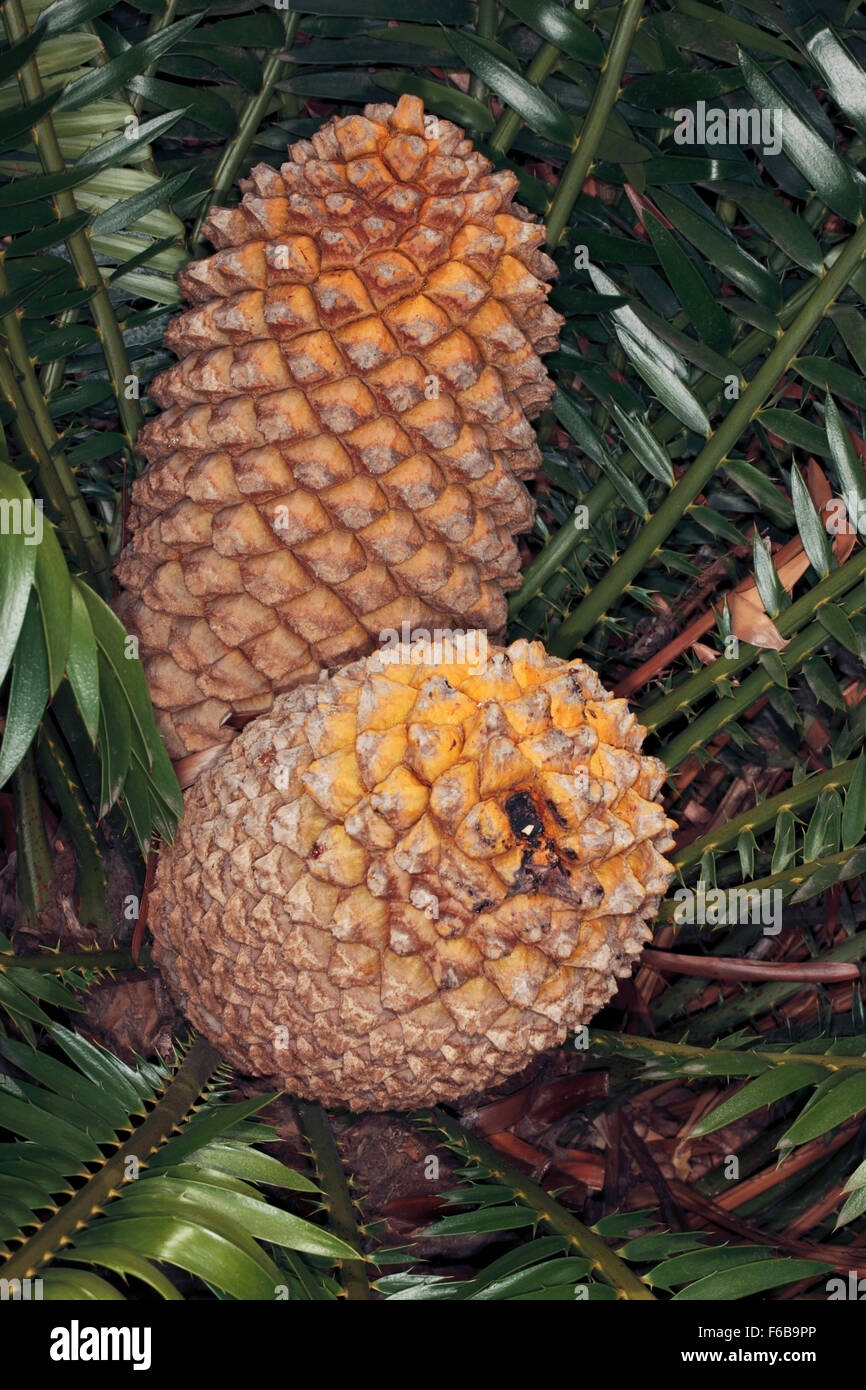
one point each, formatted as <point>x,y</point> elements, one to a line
<point>409,878</point>
<point>342,440</point>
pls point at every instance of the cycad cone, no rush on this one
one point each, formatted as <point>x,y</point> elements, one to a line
<point>345,433</point>
<point>407,879</point>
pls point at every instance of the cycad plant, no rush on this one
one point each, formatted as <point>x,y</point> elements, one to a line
<point>698,541</point>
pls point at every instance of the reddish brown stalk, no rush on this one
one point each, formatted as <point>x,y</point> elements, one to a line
<point>770,1177</point>
<point>138,934</point>
<point>639,1151</point>
<point>723,968</point>
<point>817,1212</point>
<point>841,1257</point>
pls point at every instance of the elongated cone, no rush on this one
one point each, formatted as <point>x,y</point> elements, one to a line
<point>404,881</point>
<point>344,436</point>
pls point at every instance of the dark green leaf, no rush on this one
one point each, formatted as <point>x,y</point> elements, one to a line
<point>813,532</point>
<point>765,1090</point>
<point>823,682</point>
<point>106,80</point>
<point>688,285</point>
<point>767,580</point>
<point>743,1281</point>
<point>125,1262</point>
<point>533,105</point>
<point>17,561</point>
<point>674,395</point>
<point>25,118</point>
<point>64,15</point>
<point>791,427</point>
<point>644,445</point>
<point>762,490</point>
<point>854,814</point>
<point>82,664</point>
<point>12,60</point>
<point>572,418</point>
<point>549,1275</point>
<point>119,148</point>
<point>28,693</point>
<point>849,468</point>
<point>489,1219</point>
<point>785,842</point>
<point>30,1122</point>
<point>211,1254</point>
<point>241,1161</point>
<point>204,1127</point>
<point>64,1080</point>
<point>685,1268</point>
<point>838,624</point>
<point>560,27</point>
<point>826,171</point>
<point>263,1221</point>
<point>128,212</point>
<point>103,1068</point>
<point>55,601</point>
<point>832,377</point>
<point>115,736</point>
<point>65,1285</point>
<point>847,1098</point>
<point>785,228</point>
<point>723,252</point>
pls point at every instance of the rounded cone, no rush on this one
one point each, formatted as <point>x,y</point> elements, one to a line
<point>404,881</point>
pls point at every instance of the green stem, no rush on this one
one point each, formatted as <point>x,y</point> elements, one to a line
<point>787,880</point>
<point>118,959</point>
<point>603,101</point>
<point>485,28</point>
<point>251,118</point>
<point>35,868</point>
<point>702,682</point>
<point>32,445</point>
<point>604,494</point>
<point>617,579</point>
<point>509,122</point>
<point>698,733</point>
<point>171,1111</point>
<point>765,814</point>
<point>52,374</point>
<point>78,243</point>
<point>341,1216</point>
<point>43,443</point>
<point>730,1014</point>
<point>685,1052</point>
<point>157,22</point>
<point>608,1265</point>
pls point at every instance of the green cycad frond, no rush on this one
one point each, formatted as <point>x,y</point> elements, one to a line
<point>24,982</point>
<point>560,1260</point>
<point>128,1168</point>
<point>708,393</point>
<point>832,1069</point>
